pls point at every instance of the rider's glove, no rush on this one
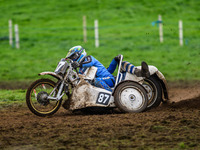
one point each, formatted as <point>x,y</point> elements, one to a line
<point>117,58</point>
<point>75,64</point>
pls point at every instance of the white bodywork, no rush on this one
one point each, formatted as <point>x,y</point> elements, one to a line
<point>85,95</point>
<point>90,73</point>
<point>152,70</point>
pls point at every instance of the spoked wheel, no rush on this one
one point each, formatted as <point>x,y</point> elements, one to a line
<point>154,91</point>
<point>37,98</point>
<point>131,97</point>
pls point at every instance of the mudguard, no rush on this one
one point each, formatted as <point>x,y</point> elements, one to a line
<point>53,74</point>
<point>163,81</point>
<point>153,71</point>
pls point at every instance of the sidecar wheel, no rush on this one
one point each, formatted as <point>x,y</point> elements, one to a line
<point>131,97</point>
<point>154,91</point>
<point>36,98</point>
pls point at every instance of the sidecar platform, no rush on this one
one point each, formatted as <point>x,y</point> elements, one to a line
<point>86,95</point>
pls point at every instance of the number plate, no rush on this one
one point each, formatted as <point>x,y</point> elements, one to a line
<point>103,98</point>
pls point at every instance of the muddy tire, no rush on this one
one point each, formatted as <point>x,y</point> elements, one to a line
<point>154,92</point>
<point>131,97</point>
<point>36,98</point>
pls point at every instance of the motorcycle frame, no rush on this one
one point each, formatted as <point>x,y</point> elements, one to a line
<point>61,82</point>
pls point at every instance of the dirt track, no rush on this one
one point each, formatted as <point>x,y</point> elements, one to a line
<point>175,125</point>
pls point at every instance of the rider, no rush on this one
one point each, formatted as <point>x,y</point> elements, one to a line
<point>104,77</point>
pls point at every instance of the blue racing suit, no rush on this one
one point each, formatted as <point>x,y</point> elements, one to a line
<point>112,66</point>
<point>104,77</point>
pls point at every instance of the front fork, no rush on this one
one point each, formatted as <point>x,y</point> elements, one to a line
<point>60,91</point>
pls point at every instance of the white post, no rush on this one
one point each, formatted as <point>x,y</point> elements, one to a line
<point>160,28</point>
<point>10,32</point>
<point>181,32</point>
<point>17,36</point>
<point>96,33</point>
<point>84,29</point>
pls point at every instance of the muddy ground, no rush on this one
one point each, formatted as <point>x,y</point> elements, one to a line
<point>171,126</point>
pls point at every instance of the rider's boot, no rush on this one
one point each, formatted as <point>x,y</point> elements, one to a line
<point>144,72</point>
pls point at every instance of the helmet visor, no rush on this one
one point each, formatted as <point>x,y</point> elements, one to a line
<point>74,56</point>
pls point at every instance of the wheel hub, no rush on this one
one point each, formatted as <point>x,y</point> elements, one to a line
<point>132,97</point>
<point>42,98</point>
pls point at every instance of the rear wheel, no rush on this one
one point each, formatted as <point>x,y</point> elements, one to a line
<point>154,91</point>
<point>36,98</point>
<point>131,97</point>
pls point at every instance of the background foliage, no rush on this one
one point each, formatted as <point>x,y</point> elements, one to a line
<point>49,28</point>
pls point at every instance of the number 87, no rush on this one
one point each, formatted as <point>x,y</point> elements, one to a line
<point>103,98</point>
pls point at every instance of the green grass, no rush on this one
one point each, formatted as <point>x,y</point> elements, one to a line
<point>9,97</point>
<point>49,28</point>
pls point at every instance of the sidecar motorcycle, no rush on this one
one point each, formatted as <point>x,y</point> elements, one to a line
<point>131,93</point>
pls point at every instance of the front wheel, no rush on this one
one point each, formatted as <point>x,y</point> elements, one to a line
<point>36,98</point>
<point>131,97</point>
